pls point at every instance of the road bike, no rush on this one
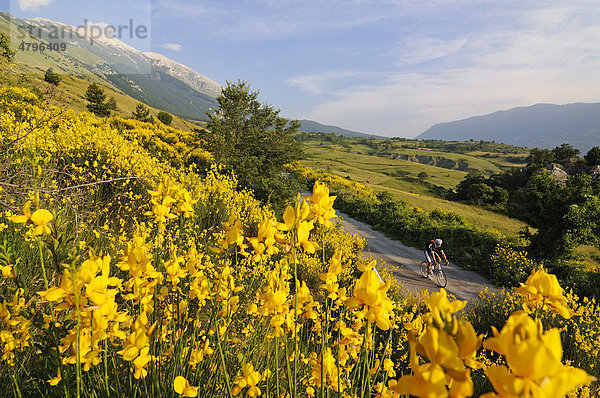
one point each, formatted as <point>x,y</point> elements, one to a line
<point>436,269</point>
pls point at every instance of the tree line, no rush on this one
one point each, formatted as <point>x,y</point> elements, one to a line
<point>565,213</point>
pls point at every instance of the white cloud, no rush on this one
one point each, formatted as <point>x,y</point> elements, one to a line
<point>548,55</point>
<point>406,105</point>
<point>171,46</point>
<point>320,83</point>
<point>416,50</point>
<point>33,5</point>
<point>270,19</point>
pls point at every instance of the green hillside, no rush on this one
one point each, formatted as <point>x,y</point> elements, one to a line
<point>71,90</point>
<point>377,163</point>
<point>121,67</point>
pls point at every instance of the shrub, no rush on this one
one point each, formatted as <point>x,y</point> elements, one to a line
<point>52,77</point>
<point>200,291</point>
<point>97,103</point>
<point>165,117</point>
<point>509,267</point>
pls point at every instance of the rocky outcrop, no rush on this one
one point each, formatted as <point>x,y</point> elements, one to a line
<point>561,172</point>
<point>438,161</point>
<point>595,172</point>
<point>558,172</point>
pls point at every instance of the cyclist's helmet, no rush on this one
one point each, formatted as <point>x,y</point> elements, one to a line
<point>438,242</point>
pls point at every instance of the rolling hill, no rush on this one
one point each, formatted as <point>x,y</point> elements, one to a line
<point>417,172</point>
<point>148,77</point>
<point>310,126</point>
<point>540,125</point>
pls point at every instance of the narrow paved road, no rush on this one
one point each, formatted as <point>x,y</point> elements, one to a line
<point>403,262</point>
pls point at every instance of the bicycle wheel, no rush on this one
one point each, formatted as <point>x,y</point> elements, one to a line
<point>441,278</point>
<point>423,269</point>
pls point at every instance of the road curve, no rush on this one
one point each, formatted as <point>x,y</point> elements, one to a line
<point>403,262</point>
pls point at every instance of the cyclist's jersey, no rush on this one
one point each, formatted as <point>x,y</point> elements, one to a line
<point>431,248</point>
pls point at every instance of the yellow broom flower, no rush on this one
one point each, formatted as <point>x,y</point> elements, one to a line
<point>250,379</point>
<point>22,218</point>
<point>534,360</point>
<point>182,387</point>
<point>541,290</point>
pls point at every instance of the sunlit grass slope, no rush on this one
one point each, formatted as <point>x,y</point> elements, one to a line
<point>401,179</point>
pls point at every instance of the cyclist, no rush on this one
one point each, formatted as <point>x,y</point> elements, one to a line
<point>432,248</point>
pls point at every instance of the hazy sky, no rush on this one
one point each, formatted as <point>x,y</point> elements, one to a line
<point>383,67</point>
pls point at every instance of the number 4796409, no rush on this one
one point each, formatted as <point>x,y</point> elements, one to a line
<point>34,46</point>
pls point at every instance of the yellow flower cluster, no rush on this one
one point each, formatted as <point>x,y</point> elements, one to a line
<point>370,292</point>
<point>332,181</point>
<point>86,296</point>
<point>534,361</point>
<point>509,265</point>
<point>214,294</point>
<point>450,346</point>
<point>14,327</point>
<point>541,290</point>
<point>249,379</point>
<point>40,219</point>
<point>168,200</point>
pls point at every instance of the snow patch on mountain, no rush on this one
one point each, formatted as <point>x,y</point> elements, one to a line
<point>185,74</point>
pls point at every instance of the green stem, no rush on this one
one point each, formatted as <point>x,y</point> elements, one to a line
<point>277,363</point>
<point>296,282</point>
<point>106,367</point>
<point>223,362</point>
<point>40,244</point>
<point>17,386</point>
<point>366,382</point>
<point>287,365</point>
<point>339,371</point>
<point>42,263</point>
<point>77,353</point>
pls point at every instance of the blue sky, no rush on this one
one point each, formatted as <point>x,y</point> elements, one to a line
<point>384,67</point>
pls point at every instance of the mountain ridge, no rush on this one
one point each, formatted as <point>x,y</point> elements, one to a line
<point>185,92</point>
<point>184,73</point>
<point>311,126</point>
<point>149,77</point>
<point>542,125</point>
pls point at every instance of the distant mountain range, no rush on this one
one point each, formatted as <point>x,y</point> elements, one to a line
<point>170,86</point>
<point>540,125</point>
<point>310,126</point>
<point>149,77</point>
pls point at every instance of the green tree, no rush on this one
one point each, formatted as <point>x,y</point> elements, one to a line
<point>464,190</point>
<point>165,117</point>
<point>52,77</point>
<point>422,176</point>
<point>593,156</point>
<point>500,196</point>
<point>254,141</point>
<point>539,158</point>
<point>97,103</point>
<point>564,152</point>
<point>480,193</point>
<point>5,49</point>
<point>111,104</point>
<point>141,113</point>
<point>565,217</point>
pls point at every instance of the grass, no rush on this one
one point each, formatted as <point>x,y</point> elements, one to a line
<point>485,157</point>
<point>380,173</point>
<point>481,164</point>
<point>70,93</point>
<point>387,166</point>
<point>591,256</point>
